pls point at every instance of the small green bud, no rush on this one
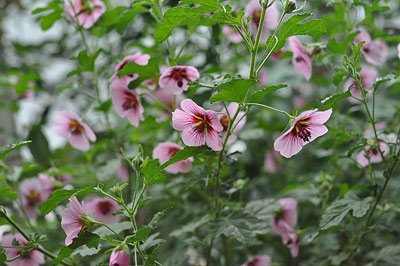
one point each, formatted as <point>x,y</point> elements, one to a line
<point>290,7</point>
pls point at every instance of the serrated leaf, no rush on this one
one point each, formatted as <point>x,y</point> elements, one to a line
<point>335,213</point>
<point>233,91</point>
<point>258,95</point>
<point>157,217</point>
<point>104,106</point>
<point>151,70</point>
<point>330,101</point>
<point>86,61</point>
<point>141,234</point>
<point>292,27</point>
<point>10,147</point>
<point>210,3</point>
<point>60,195</point>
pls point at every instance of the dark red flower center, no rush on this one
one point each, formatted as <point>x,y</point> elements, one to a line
<point>105,207</point>
<point>299,59</point>
<point>130,101</point>
<point>75,127</point>
<point>33,198</point>
<point>256,16</point>
<point>225,122</point>
<point>179,74</point>
<point>173,151</point>
<point>202,123</point>
<point>253,262</point>
<point>301,129</point>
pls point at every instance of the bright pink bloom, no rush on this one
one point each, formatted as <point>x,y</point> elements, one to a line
<point>33,258</point>
<point>176,79</point>
<point>85,12</point>
<point>33,192</point>
<point>368,76</point>
<point>138,58</point>
<point>254,10</point>
<point>308,126</point>
<point>373,154</point>
<point>238,123</point>
<point>72,221</point>
<point>270,161</point>
<point>119,258</point>
<point>283,223</point>
<point>127,103</point>
<point>70,125</point>
<point>165,151</point>
<point>103,209</point>
<point>258,261</point>
<point>199,126</point>
<point>232,35</point>
<point>375,51</point>
<point>301,58</point>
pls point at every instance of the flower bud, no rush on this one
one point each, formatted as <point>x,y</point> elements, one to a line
<point>290,7</point>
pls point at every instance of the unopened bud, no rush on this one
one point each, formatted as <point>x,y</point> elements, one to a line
<point>290,7</point>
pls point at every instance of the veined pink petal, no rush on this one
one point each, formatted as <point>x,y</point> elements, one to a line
<point>289,210</point>
<point>191,107</point>
<point>320,117</point>
<point>288,145</point>
<point>213,140</point>
<point>215,123</point>
<point>181,120</point>
<point>89,132</point>
<point>191,137</point>
<point>79,142</point>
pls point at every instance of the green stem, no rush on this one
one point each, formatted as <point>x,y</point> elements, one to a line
<point>109,228</point>
<point>246,40</point>
<point>271,108</point>
<point>258,37</point>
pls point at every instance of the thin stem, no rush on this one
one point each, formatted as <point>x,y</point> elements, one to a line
<point>183,47</point>
<point>271,108</point>
<point>209,251</point>
<point>247,41</point>
<point>258,37</point>
<point>135,207</point>
<point>109,228</point>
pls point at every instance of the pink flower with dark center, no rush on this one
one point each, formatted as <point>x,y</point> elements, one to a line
<point>368,76</point>
<point>238,123</point>
<point>308,126</point>
<point>119,258</point>
<point>284,221</point>
<point>254,10</point>
<point>85,12</point>
<point>165,151</point>
<point>375,51</point>
<point>127,103</point>
<point>33,258</point>
<point>138,58</point>
<point>231,34</point>
<point>258,261</point>
<point>198,126</point>
<point>70,125</point>
<point>301,58</point>
<point>176,79</point>
<point>73,220</point>
<point>372,153</point>
<point>270,161</point>
<point>103,209</point>
<point>33,192</point>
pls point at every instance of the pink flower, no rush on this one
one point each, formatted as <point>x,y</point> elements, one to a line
<point>127,103</point>
<point>301,58</point>
<point>170,102</point>
<point>238,123</point>
<point>308,126</point>
<point>72,220</point>
<point>165,151</point>
<point>283,223</point>
<point>254,10</point>
<point>33,258</point>
<point>138,58</point>
<point>176,79</point>
<point>270,162</point>
<point>70,125</point>
<point>103,209</point>
<point>258,261</point>
<point>375,51</point>
<point>368,76</point>
<point>85,12</point>
<point>232,35</point>
<point>33,192</point>
<point>119,258</point>
<point>199,126</point>
<point>373,154</point>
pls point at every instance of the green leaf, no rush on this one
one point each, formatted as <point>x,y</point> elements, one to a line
<point>3,256</point>
<point>140,235</point>
<point>233,91</point>
<point>258,95</point>
<point>151,170</point>
<point>151,70</point>
<point>190,227</point>
<point>331,101</point>
<point>60,195</point>
<point>10,147</point>
<point>157,217</point>
<point>292,27</point>
<point>338,77</point>
<point>178,16</point>
<point>86,62</point>
<point>39,146</point>
<point>49,20</point>
<point>104,106</point>
<point>335,213</point>
<point>84,238</point>
<point>210,3</point>
<point>8,193</point>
